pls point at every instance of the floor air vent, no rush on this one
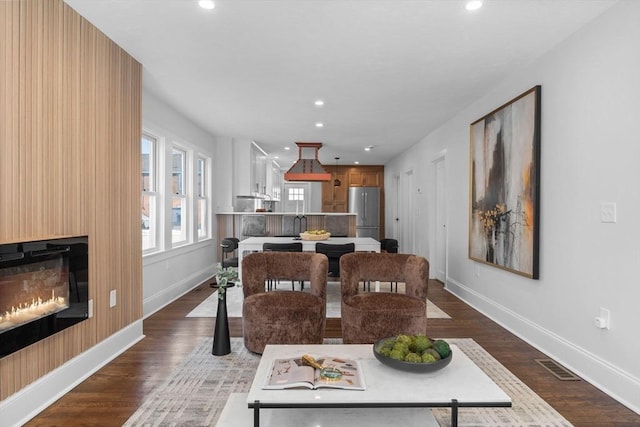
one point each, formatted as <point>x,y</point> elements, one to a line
<point>557,371</point>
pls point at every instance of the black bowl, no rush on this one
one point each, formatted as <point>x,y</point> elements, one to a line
<point>409,366</point>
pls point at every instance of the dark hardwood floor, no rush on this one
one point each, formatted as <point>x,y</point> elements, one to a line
<point>112,394</point>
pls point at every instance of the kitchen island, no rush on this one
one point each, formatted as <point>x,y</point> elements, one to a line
<point>234,224</point>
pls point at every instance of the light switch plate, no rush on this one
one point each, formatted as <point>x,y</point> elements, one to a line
<point>112,298</point>
<point>608,212</point>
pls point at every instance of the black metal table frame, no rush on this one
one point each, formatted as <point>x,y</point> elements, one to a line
<point>454,405</point>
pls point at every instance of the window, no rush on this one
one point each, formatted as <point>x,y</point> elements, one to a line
<point>150,195</point>
<point>202,201</point>
<point>296,193</point>
<point>179,211</point>
<point>176,194</point>
<point>295,196</point>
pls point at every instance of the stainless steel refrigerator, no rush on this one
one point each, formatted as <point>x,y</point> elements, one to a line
<point>365,201</point>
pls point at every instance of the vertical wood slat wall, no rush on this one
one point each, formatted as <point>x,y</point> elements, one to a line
<point>70,114</point>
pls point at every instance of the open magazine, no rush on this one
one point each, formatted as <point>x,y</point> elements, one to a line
<point>337,373</point>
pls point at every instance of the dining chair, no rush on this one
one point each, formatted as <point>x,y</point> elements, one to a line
<point>333,253</point>
<point>282,247</point>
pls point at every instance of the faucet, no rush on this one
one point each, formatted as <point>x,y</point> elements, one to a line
<point>268,203</point>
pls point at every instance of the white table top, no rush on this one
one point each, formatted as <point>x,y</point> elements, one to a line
<point>461,379</point>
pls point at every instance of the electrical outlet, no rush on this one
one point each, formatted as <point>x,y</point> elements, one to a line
<point>112,298</point>
<point>607,212</point>
<point>90,309</point>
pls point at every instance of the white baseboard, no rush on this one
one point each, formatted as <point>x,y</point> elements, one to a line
<point>25,404</point>
<point>620,385</point>
<point>171,293</point>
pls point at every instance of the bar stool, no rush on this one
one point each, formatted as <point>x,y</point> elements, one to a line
<point>229,245</point>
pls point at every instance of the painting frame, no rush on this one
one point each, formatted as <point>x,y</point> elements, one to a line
<point>504,193</point>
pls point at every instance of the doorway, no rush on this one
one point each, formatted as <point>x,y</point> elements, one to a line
<point>396,214</point>
<point>406,223</point>
<point>439,243</point>
<point>296,197</point>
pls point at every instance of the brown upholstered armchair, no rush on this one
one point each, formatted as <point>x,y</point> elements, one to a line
<point>370,316</point>
<point>283,317</point>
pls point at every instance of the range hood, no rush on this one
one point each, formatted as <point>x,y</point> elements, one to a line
<point>307,168</point>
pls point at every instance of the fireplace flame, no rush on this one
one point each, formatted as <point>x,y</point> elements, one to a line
<point>26,312</point>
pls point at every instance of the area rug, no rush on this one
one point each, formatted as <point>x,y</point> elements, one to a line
<point>196,391</point>
<point>209,307</point>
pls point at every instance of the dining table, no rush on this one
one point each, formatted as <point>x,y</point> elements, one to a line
<point>254,244</point>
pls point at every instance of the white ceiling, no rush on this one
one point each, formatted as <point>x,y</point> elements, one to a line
<point>389,71</point>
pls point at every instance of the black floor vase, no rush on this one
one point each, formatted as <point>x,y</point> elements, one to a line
<point>221,340</point>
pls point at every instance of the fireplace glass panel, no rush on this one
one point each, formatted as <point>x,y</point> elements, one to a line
<point>33,291</point>
<point>43,289</point>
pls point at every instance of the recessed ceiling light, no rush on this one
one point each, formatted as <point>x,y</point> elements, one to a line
<point>356,162</point>
<point>319,103</point>
<point>287,148</point>
<point>206,4</point>
<point>473,5</point>
<point>368,148</point>
<point>319,125</point>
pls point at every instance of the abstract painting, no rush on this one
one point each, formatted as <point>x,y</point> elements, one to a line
<point>504,223</point>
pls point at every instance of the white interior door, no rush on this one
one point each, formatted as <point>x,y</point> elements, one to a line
<point>296,197</point>
<point>406,214</point>
<point>397,208</point>
<point>440,222</point>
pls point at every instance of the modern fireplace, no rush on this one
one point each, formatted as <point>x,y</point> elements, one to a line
<point>44,289</point>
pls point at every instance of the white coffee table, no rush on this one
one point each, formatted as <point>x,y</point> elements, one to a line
<point>461,384</point>
<point>237,414</point>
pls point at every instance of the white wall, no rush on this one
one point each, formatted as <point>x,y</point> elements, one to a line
<point>170,274</point>
<point>240,179</point>
<point>590,152</point>
<point>224,170</point>
<point>315,197</point>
